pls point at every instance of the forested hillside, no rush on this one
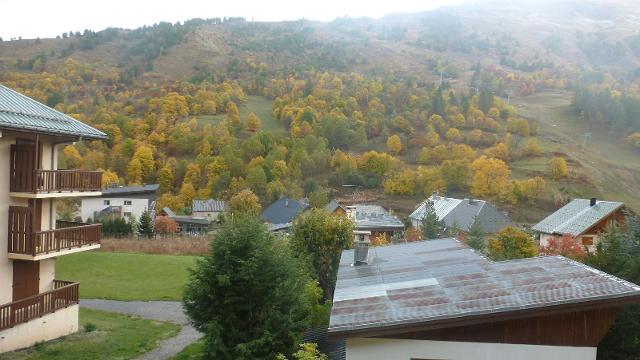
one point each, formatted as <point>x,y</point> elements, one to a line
<point>404,106</point>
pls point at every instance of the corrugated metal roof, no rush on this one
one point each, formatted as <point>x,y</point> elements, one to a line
<point>20,112</point>
<point>441,204</point>
<point>464,212</point>
<point>576,217</point>
<point>443,279</point>
<point>375,217</point>
<point>208,205</point>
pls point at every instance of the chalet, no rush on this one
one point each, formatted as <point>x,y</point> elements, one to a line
<point>335,208</point>
<point>463,212</point>
<point>439,299</point>
<point>120,201</point>
<point>375,219</point>
<point>280,214</point>
<point>581,219</point>
<point>209,209</point>
<point>34,305</point>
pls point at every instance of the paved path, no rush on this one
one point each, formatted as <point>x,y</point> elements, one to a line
<point>154,310</point>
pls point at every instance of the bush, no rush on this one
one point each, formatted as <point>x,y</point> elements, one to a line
<point>116,227</point>
<point>90,327</point>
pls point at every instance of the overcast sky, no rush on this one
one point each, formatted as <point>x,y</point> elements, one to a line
<point>48,18</point>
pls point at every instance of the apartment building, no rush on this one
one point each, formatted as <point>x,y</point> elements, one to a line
<point>34,305</point>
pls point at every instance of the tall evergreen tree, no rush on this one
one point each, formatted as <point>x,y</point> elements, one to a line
<point>248,295</point>
<point>145,225</point>
<point>476,236</point>
<point>618,253</point>
<point>430,225</point>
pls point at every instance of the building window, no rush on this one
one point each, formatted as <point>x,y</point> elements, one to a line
<point>127,202</point>
<point>107,202</point>
<point>127,214</point>
<point>587,240</point>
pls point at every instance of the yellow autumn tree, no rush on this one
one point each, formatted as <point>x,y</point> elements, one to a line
<point>533,148</point>
<point>165,179</point>
<point>72,157</point>
<point>233,116</point>
<point>144,155</point>
<point>109,178</point>
<point>490,177</point>
<point>134,172</point>
<point>394,144</point>
<point>253,122</point>
<point>187,193</point>
<point>244,201</point>
<point>557,168</point>
<point>453,134</point>
<point>402,183</point>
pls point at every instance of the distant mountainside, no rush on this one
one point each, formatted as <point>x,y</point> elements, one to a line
<point>523,35</point>
<point>299,105</point>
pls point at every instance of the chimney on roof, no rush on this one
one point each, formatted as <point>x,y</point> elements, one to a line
<point>592,202</point>
<point>361,247</point>
<point>351,212</point>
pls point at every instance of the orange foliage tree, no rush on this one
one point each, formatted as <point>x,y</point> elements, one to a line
<point>565,246</point>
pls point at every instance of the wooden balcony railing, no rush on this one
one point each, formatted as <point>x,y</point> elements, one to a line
<point>70,235</point>
<point>64,294</point>
<point>47,181</point>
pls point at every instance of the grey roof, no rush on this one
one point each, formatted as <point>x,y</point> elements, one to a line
<point>372,217</point>
<point>208,205</point>
<point>430,282</point>
<point>190,219</point>
<point>283,211</point>
<point>442,205</point>
<point>464,212</point>
<point>576,217</point>
<point>332,206</point>
<point>19,112</point>
<point>129,190</point>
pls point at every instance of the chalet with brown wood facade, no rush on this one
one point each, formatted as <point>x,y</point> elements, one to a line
<point>581,219</point>
<point>439,299</point>
<point>34,305</point>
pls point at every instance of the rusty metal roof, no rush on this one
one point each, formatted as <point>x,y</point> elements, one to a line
<point>19,112</point>
<point>429,281</point>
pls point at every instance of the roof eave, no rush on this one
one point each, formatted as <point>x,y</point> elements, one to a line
<point>54,133</point>
<point>486,317</point>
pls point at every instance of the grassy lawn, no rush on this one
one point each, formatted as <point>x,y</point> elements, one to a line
<point>191,352</point>
<point>123,276</point>
<point>116,336</point>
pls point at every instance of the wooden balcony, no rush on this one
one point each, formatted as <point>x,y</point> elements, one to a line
<point>54,181</point>
<point>68,237</point>
<point>64,294</point>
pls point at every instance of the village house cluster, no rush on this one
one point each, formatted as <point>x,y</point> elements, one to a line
<point>434,299</point>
